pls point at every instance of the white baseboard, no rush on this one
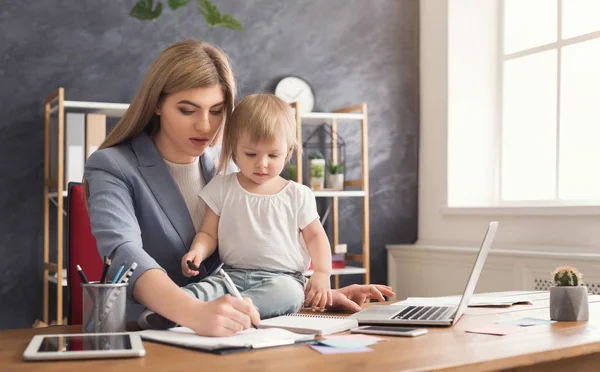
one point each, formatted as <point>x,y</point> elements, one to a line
<point>435,270</point>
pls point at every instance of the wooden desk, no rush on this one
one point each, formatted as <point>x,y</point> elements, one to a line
<point>560,346</point>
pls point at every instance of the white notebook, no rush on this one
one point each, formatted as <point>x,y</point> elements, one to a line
<point>248,339</point>
<point>310,323</point>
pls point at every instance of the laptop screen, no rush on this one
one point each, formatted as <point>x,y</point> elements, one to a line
<point>483,252</point>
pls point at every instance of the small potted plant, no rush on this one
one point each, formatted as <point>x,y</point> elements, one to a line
<point>316,170</point>
<point>568,297</point>
<point>335,178</point>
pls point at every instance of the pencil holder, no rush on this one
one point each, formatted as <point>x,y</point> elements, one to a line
<point>104,307</point>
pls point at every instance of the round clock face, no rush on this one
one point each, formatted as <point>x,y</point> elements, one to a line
<point>293,89</point>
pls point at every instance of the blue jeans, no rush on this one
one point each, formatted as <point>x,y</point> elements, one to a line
<point>273,293</point>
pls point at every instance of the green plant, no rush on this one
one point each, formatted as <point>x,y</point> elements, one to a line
<point>564,276</point>
<point>317,170</point>
<point>315,155</point>
<point>147,10</point>
<point>335,168</point>
<point>291,172</point>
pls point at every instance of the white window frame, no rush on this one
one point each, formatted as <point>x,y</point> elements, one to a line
<point>523,205</point>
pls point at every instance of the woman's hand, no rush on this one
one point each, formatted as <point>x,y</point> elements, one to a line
<point>195,258</point>
<point>224,316</point>
<point>352,297</point>
<point>317,293</point>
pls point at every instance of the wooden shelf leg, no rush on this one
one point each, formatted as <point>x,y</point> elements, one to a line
<point>365,179</point>
<point>46,208</point>
<point>299,147</point>
<point>60,208</point>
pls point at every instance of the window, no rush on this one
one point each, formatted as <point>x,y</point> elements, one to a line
<point>549,74</point>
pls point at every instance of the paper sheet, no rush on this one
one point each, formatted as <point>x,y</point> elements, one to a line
<point>495,330</point>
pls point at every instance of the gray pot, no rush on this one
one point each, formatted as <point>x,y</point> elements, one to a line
<point>569,303</point>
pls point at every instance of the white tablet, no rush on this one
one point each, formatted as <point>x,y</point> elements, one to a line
<point>84,346</point>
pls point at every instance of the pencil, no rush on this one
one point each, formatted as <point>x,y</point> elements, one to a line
<point>82,276</point>
<point>105,270</point>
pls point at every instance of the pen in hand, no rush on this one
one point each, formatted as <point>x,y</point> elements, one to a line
<point>191,265</point>
<point>228,282</point>
<point>232,289</point>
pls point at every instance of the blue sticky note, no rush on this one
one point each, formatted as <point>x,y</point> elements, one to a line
<point>347,344</point>
<point>526,322</point>
<point>339,350</point>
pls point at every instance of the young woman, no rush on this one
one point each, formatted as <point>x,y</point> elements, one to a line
<point>147,175</point>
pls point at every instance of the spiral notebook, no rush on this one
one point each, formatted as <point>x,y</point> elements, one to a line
<point>310,323</point>
<point>245,340</point>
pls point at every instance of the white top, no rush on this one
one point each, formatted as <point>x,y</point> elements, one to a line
<point>190,181</point>
<point>261,231</point>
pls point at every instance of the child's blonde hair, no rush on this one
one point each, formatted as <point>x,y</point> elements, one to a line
<point>263,116</point>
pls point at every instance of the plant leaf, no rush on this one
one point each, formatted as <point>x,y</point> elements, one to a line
<point>176,4</point>
<point>229,22</point>
<point>209,11</point>
<point>145,10</point>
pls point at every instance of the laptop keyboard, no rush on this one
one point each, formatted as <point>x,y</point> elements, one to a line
<point>426,313</point>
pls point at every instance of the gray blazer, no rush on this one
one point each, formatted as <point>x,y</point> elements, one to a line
<point>137,212</point>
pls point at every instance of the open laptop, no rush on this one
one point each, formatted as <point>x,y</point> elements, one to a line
<point>435,315</point>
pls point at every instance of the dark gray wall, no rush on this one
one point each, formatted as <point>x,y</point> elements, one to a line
<point>349,50</point>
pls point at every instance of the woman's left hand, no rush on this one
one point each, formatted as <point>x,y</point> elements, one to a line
<point>352,297</point>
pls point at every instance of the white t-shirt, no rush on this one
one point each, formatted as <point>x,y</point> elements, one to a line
<point>261,231</point>
<point>190,180</point>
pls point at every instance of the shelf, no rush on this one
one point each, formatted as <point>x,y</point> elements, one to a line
<point>118,109</point>
<point>54,194</point>
<point>321,117</point>
<point>348,270</point>
<point>106,108</point>
<point>341,193</point>
<point>318,194</point>
<point>52,278</point>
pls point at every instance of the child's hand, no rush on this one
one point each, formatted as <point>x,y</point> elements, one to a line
<point>190,263</point>
<point>318,291</point>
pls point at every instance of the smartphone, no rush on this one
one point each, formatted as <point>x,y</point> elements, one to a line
<point>390,331</point>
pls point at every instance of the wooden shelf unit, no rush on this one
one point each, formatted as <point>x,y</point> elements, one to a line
<point>349,116</point>
<point>55,187</point>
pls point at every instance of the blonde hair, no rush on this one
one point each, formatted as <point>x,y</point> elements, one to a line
<point>263,116</point>
<point>188,64</point>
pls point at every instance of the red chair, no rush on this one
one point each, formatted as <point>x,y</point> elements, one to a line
<point>81,250</point>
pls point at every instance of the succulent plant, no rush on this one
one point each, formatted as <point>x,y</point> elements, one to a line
<point>316,155</point>
<point>567,276</point>
<point>335,168</point>
<point>316,171</point>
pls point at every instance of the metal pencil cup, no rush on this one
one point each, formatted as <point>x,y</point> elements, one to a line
<point>104,307</point>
